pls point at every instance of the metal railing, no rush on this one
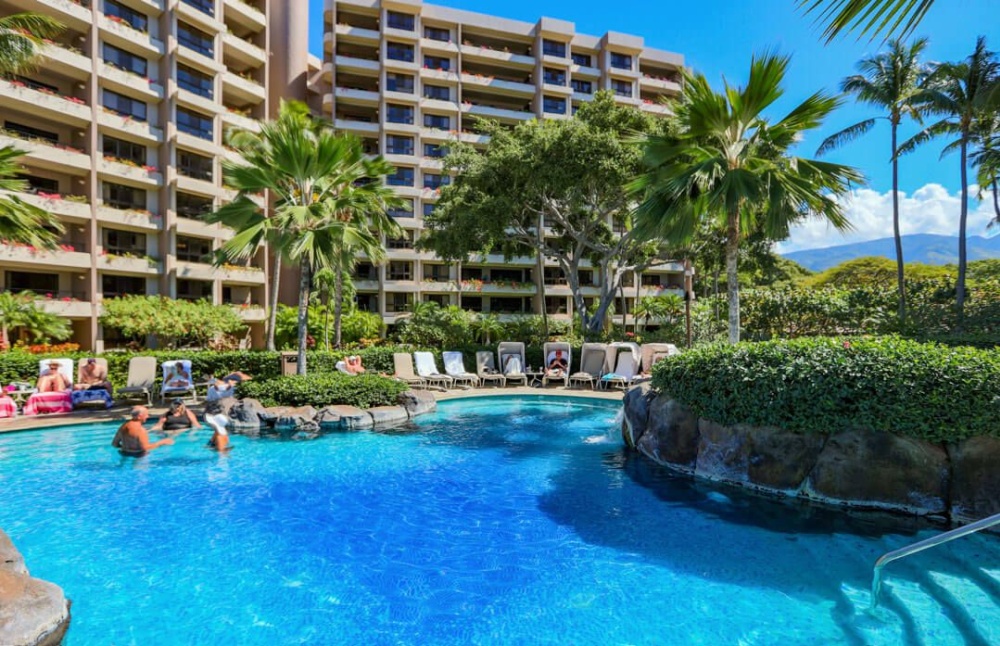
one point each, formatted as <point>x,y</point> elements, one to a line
<point>933,541</point>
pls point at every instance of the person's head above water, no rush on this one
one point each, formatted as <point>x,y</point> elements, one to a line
<point>140,414</point>
<point>176,405</point>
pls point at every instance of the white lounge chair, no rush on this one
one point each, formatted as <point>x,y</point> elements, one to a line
<point>427,369</point>
<point>52,402</point>
<point>650,354</point>
<point>93,396</point>
<point>141,376</point>
<point>621,365</point>
<point>454,367</point>
<point>550,351</point>
<point>592,357</point>
<point>177,381</point>
<point>512,361</point>
<point>486,371</point>
<point>402,364</point>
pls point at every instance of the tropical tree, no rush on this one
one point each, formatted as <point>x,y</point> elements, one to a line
<point>665,307</point>
<point>724,162</point>
<point>21,38</point>
<point>324,192</point>
<point>891,81</point>
<point>962,94</point>
<point>488,327</point>
<point>21,311</point>
<point>986,160</point>
<point>867,16</point>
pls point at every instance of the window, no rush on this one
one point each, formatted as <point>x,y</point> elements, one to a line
<point>438,34</point>
<point>194,123</point>
<point>367,302</point>
<point>472,303</point>
<point>120,149</point>
<point>35,85</point>
<point>31,133</point>
<point>204,6</point>
<point>436,151</point>
<point>621,61</point>
<point>399,83</point>
<point>553,105</point>
<point>195,39</point>
<point>193,249</point>
<point>406,242</point>
<point>581,59</point>
<point>133,19</point>
<point>400,271</point>
<point>621,88</point>
<point>506,305</point>
<point>195,166</point>
<point>402,177</point>
<point>582,87</point>
<point>397,145</point>
<point>193,206</point>
<point>437,121</point>
<point>19,281</point>
<point>440,92</point>
<point>403,211</point>
<point>114,286</point>
<point>195,290</point>
<point>120,196</point>
<point>554,76</point>
<point>399,52</point>
<point>123,105</point>
<point>40,184</point>
<point>437,273</point>
<point>402,21</point>
<point>428,208</point>
<point>436,181</point>
<point>194,81</point>
<point>123,242</point>
<point>125,61</point>
<point>398,113</point>
<point>365,271</point>
<point>397,302</point>
<point>553,48</point>
<point>437,63</point>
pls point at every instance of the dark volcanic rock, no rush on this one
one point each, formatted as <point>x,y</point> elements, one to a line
<point>722,452</point>
<point>388,416</point>
<point>975,484</point>
<point>671,434</point>
<point>636,405</point>
<point>32,612</point>
<point>780,459</point>
<point>417,402</point>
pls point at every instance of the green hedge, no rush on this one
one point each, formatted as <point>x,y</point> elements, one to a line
<point>325,389</point>
<point>825,385</point>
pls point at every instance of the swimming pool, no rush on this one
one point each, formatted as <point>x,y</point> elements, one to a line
<point>493,521</point>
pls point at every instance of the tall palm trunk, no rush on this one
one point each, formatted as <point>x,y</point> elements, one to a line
<point>338,307</point>
<point>304,284</point>
<point>732,277</point>
<point>962,221</point>
<point>272,316</point>
<point>326,322</point>
<point>900,281</point>
<point>996,200</point>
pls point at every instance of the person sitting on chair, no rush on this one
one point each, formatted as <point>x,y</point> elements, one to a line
<point>556,364</point>
<point>93,377</point>
<point>178,418</point>
<point>178,377</point>
<point>54,381</point>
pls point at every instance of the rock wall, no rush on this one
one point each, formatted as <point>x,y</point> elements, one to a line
<point>849,468</point>
<point>32,612</point>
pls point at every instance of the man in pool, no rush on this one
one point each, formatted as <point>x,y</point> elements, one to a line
<point>132,438</point>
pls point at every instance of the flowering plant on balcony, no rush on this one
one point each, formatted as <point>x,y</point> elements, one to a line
<point>17,83</point>
<point>473,283</point>
<point>150,169</point>
<point>230,267</point>
<point>67,247</point>
<point>55,197</point>
<point>78,199</point>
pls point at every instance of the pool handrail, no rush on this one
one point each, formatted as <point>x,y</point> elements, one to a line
<point>933,541</point>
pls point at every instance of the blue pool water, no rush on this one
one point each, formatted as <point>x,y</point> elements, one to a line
<point>494,521</point>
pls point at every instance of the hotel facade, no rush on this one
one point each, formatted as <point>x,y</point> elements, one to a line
<point>123,122</point>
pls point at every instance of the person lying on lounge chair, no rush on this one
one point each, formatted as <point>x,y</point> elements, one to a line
<point>93,377</point>
<point>53,381</point>
<point>178,377</point>
<point>556,364</point>
<point>353,365</point>
<point>225,386</point>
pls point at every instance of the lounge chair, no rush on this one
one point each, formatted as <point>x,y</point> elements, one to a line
<point>402,363</point>
<point>454,367</point>
<point>92,396</point>
<point>549,351</point>
<point>141,376</point>
<point>52,402</point>
<point>486,371</point>
<point>650,354</point>
<point>592,357</point>
<point>512,361</point>
<point>177,381</point>
<point>341,366</point>
<point>624,357</point>
<point>427,369</point>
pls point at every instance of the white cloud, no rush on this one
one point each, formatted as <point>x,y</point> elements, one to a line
<point>930,209</point>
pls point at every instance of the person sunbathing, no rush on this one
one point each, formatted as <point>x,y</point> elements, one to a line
<point>557,364</point>
<point>53,381</point>
<point>178,418</point>
<point>226,386</point>
<point>93,377</point>
<point>353,365</point>
<point>132,438</point>
<point>178,377</point>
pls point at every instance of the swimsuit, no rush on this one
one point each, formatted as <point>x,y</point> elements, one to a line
<point>176,423</point>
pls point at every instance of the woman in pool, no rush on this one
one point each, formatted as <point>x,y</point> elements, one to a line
<point>178,418</point>
<point>53,381</point>
<point>218,422</point>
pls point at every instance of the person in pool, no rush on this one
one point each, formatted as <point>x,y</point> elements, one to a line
<point>132,438</point>
<point>178,418</point>
<point>218,421</point>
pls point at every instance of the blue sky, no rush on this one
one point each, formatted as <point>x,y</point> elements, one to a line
<point>718,37</point>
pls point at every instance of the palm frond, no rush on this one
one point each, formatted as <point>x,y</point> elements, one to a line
<point>867,17</point>
<point>845,136</point>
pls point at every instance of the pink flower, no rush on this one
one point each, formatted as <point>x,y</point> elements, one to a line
<point>48,296</point>
<point>847,345</point>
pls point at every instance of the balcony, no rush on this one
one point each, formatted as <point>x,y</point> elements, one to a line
<point>360,65</point>
<point>72,207</point>
<point>245,52</point>
<point>147,176</point>
<point>498,287</point>
<point>199,18</point>
<point>68,305</point>
<point>498,85</point>
<point>120,33</point>
<point>438,46</point>
<point>669,85</point>
<point>655,107</point>
<point>44,154</point>
<point>584,70</point>
<point>352,95</point>
<point>128,218</point>
<point>350,33</point>
<point>244,15</point>
<point>246,90</point>
<point>240,275</point>
<point>26,256</point>
<point>66,60</point>
<point>188,99</point>
<point>501,114</point>
<point>356,126</point>
<point>129,126</point>
<point>485,54</point>
<point>133,264</point>
<point>129,83</point>
<point>71,14</point>
<point>69,110</point>
<point>250,313</point>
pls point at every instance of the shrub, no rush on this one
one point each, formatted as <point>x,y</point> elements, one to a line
<point>825,385</point>
<point>172,322</point>
<point>325,389</point>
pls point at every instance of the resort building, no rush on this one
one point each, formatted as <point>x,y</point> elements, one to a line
<point>410,77</point>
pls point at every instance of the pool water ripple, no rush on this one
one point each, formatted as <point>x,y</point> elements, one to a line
<point>514,521</point>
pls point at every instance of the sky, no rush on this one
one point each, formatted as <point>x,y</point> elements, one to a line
<point>718,38</point>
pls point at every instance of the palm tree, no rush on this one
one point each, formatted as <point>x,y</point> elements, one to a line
<point>21,311</point>
<point>867,16</point>
<point>962,93</point>
<point>723,161</point>
<point>986,160</point>
<point>488,327</point>
<point>893,82</point>
<point>21,37</point>
<point>323,281</point>
<point>324,191</point>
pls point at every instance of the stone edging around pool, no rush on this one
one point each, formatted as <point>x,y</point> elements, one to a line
<point>32,612</point>
<point>958,482</point>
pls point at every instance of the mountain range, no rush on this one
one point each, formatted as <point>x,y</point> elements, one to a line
<point>925,248</point>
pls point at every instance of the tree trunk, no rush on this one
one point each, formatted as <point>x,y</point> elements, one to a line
<point>303,315</point>
<point>338,307</point>
<point>540,280</point>
<point>326,322</point>
<point>900,280</point>
<point>962,221</point>
<point>273,305</point>
<point>996,201</point>
<point>732,277</point>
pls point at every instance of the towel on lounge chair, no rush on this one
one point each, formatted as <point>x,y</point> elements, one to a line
<point>52,402</point>
<point>427,369</point>
<point>454,367</point>
<point>7,407</point>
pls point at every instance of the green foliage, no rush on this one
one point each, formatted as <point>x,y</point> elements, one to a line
<point>173,322</point>
<point>432,325</point>
<point>22,312</point>
<point>876,271</point>
<point>985,270</point>
<point>826,385</point>
<point>325,389</point>
<point>356,325</point>
<point>867,17</point>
